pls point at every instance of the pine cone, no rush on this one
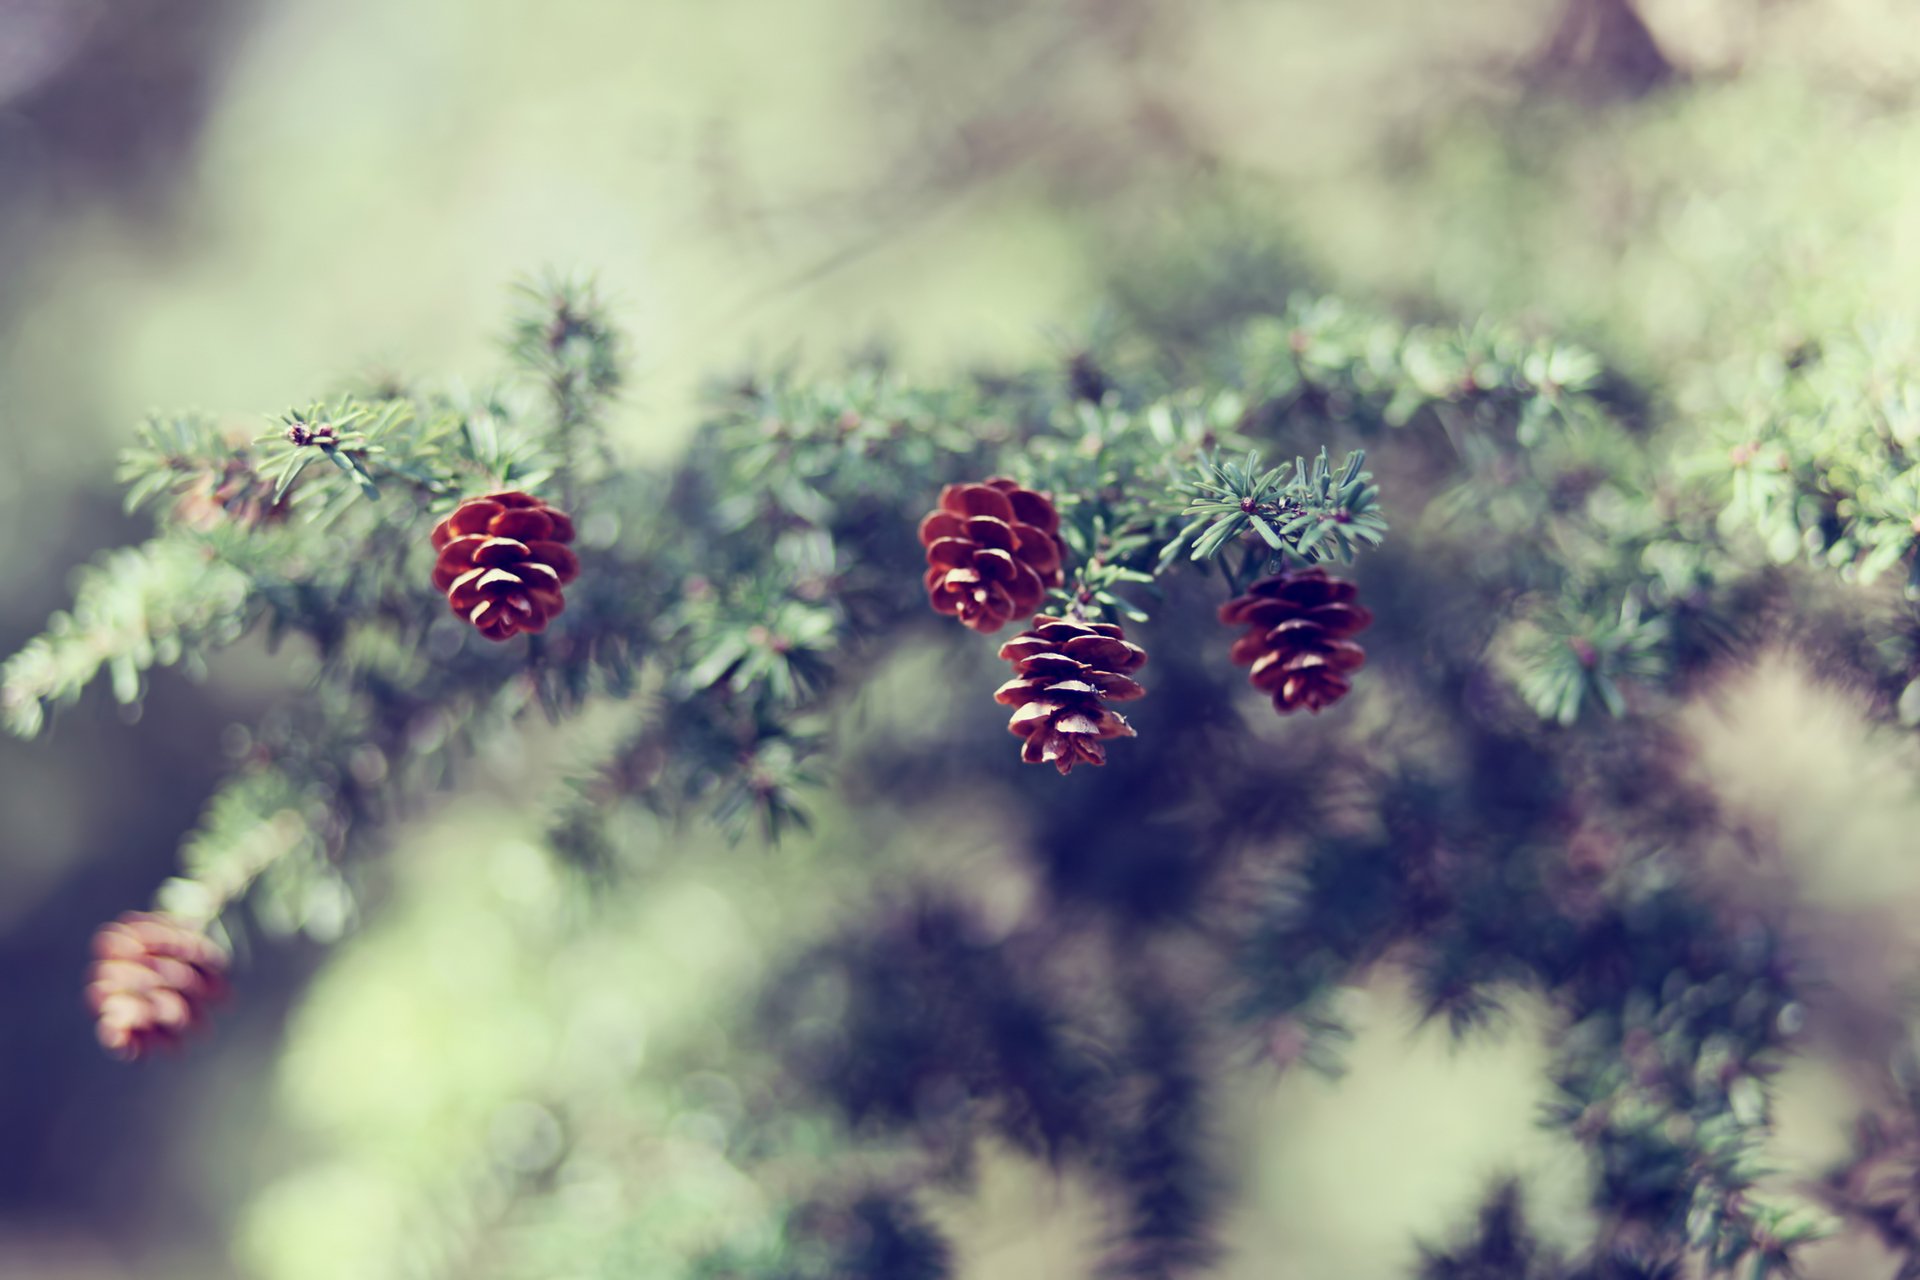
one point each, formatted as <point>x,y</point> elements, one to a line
<point>152,981</point>
<point>1299,622</point>
<point>236,494</point>
<point>1880,1183</point>
<point>503,559</point>
<point>1086,380</point>
<point>1065,672</point>
<point>993,549</point>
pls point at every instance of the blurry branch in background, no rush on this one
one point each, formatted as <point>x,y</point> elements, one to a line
<point>136,608</point>
<point>1878,1185</point>
<point>562,334</point>
<point>1501,813</point>
<point>1502,1247</point>
<point>1600,51</point>
<point>967,108</point>
<point>1097,101</point>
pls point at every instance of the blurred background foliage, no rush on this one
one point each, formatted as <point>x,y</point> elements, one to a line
<point>228,203</point>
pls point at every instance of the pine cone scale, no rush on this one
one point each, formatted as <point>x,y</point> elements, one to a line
<point>556,556</point>
<point>524,523</point>
<point>469,519</point>
<point>1048,663</point>
<point>949,552</point>
<point>992,532</point>
<point>1115,686</point>
<point>1041,553</point>
<point>1105,653</point>
<point>978,500</point>
<point>995,565</point>
<point>940,525</point>
<point>1030,508</point>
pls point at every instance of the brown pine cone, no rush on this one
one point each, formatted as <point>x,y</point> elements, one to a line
<point>1298,624</point>
<point>152,981</point>
<point>236,494</point>
<point>1065,672</point>
<point>993,549</point>
<point>503,559</point>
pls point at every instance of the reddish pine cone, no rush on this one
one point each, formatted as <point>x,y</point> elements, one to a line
<point>503,559</point>
<point>993,549</point>
<point>152,981</point>
<point>1298,622</point>
<point>1066,671</point>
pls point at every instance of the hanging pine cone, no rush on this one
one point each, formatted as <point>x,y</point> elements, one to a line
<point>1065,672</point>
<point>1298,624</point>
<point>503,559</point>
<point>993,549</point>
<point>152,981</point>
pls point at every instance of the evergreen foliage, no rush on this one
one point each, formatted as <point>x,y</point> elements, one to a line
<point>1496,810</point>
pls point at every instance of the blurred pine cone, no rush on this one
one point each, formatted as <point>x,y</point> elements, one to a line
<point>503,559</point>
<point>235,494</point>
<point>1880,1184</point>
<point>1298,624</point>
<point>152,981</point>
<point>993,549</point>
<point>1065,672</point>
<point>1086,380</point>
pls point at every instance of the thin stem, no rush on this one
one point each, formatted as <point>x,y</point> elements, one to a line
<point>267,843</point>
<point>567,424</point>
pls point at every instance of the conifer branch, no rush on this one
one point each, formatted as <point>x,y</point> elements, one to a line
<point>561,334</point>
<point>157,604</point>
<point>1311,513</point>
<point>719,610</point>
